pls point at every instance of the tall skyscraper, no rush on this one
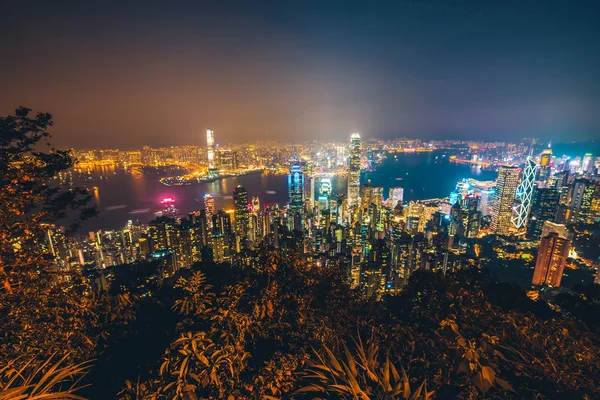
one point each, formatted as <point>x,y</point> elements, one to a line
<point>508,180</point>
<point>396,196</point>
<point>256,232</point>
<point>296,194</point>
<point>486,201</point>
<point>524,194</point>
<point>586,164</point>
<point>324,193</point>
<point>543,208</point>
<point>340,156</point>
<point>221,238</point>
<point>552,256</point>
<point>311,191</point>
<point>241,213</point>
<point>545,161</point>
<point>209,206</point>
<point>581,199</point>
<point>213,172</point>
<point>354,170</point>
<point>594,213</point>
<point>550,227</point>
<point>546,156</point>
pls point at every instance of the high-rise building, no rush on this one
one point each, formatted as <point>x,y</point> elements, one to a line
<point>471,216</point>
<point>324,193</point>
<point>508,180</point>
<point>311,191</point>
<point>552,256</point>
<point>209,206</point>
<point>162,235</point>
<point>594,213</point>
<point>543,208</point>
<point>546,156</point>
<point>370,194</point>
<point>586,164</point>
<point>581,199</point>
<point>241,213</point>
<point>340,157</point>
<point>550,227</point>
<point>545,161</point>
<point>256,232</point>
<point>228,160</point>
<point>168,205</point>
<point>221,238</point>
<point>213,172</point>
<point>354,171</point>
<point>524,194</point>
<point>296,194</point>
<point>396,196</point>
<point>486,201</point>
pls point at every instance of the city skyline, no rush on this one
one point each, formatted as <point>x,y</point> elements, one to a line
<point>434,70</point>
<point>218,200</point>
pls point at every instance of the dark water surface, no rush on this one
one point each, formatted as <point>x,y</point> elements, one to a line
<point>122,196</point>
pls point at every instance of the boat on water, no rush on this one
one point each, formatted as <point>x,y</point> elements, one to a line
<point>139,211</point>
<point>111,208</point>
<point>270,192</point>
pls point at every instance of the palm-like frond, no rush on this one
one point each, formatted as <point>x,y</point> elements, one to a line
<point>359,376</point>
<point>49,380</point>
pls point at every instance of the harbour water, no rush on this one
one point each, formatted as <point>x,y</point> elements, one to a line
<point>121,196</point>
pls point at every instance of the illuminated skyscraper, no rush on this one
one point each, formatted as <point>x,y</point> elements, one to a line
<point>168,205</point>
<point>296,193</point>
<point>396,196</point>
<point>524,194</point>
<point>586,163</point>
<point>324,193</point>
<point>340,155</point>
<point>311,191</point>
<point>209,206</point>
<point>544,167</point>
<point>256,232</point>
<point>241,214</point>
<point>550,227</point>
<point>354,170</point>
<point>221,238</point>
<point>486,201</point>
<point>543,208</point>
<point>213,172</point>
<point>508,180</point>
<point>581,201</point>
<point>552,256</point>
<point>546,156</point>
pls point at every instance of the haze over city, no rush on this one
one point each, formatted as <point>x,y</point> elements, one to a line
<point>123,74</point>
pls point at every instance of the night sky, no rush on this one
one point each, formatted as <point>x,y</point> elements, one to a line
<point>124,74</point>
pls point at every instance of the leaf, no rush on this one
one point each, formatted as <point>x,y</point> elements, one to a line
<point>488,374</point>
<point>505,385</point>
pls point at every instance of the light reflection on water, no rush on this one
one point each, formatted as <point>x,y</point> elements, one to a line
<point>422,175</point>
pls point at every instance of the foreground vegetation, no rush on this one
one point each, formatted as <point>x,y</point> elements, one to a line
<point>282,330</point>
